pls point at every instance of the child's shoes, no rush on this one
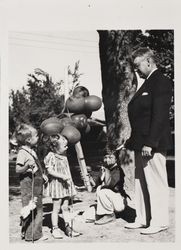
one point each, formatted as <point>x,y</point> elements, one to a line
<point>43,238</point>
<point>71,232</point>
<point>57,233</point>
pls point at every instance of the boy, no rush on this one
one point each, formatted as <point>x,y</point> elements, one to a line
<point>111,196</point>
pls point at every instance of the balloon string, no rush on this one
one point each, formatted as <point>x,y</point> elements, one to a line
<point>68,113</point>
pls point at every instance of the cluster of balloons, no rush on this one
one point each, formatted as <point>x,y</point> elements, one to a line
<point>78,108</point>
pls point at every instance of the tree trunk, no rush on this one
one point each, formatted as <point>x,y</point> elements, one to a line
<point>118,82</point>
<point>118,86</point>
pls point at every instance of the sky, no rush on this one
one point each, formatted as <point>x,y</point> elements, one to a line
<point>53,52</point>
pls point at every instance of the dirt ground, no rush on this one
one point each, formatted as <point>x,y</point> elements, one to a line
<point>111,232</point>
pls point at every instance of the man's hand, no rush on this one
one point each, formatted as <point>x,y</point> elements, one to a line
<point>146,151</point>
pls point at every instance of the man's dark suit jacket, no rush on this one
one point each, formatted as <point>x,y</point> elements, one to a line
<point>148,113</point>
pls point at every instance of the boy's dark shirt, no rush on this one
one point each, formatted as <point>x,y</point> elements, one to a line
<point>117,180</point>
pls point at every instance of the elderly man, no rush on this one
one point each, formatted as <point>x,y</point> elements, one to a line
<point>150,139</point>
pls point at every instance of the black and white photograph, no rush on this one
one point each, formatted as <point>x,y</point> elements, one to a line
<point>90,115</point>
<point>138,116</point>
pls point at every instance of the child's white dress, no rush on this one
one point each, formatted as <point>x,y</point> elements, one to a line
<point>57,188</point>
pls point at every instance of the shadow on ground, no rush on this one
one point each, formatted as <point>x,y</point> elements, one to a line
<point>128,214</point>
<point>47,221</point>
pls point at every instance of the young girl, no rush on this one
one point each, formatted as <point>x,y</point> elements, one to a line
<point>60,186</point>
<point>31,183</point>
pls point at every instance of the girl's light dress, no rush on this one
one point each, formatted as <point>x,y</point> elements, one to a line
<point>56,188</point>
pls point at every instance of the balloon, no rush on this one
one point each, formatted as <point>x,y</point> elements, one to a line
<point>75,105</point>
<point>72,134</point>
<point>80,91</point>
<point>92,103</point>
<point>66,121</point>
<point>51,126</point>
<point>79,120</point>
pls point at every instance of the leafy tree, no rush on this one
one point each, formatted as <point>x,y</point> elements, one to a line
<point>45,97</point>
<point>75,77</point>
<point>40,100</point>
<point>19,108</point>
<point>162,41</point>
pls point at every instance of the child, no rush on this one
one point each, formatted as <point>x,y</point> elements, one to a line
<point>31,183</point>
<point>111,196</point>
<point>60,186</point>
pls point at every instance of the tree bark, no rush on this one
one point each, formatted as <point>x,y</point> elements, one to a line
<point>118,83</point>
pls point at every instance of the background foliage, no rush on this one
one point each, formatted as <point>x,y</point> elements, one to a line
<point>41,99</point>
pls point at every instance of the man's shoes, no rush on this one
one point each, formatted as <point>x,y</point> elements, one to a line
<point>57,233</point>
<point>134,225</point>
<point>153,230</point>
<point>22,235</point>
<point>106,219</point>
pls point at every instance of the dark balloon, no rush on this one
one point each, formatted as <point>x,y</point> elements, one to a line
<point>92,103</point>
<point>75,105</point>
<point>66,121</point>
<point>80,91</point>
<point>51,126</point>
<point>72,134</point>
<point>79,120</point>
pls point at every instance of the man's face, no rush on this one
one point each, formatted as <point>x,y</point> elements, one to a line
<point>141,65</point>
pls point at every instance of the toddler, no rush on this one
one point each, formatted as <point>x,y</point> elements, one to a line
<point>60,186</point>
